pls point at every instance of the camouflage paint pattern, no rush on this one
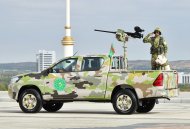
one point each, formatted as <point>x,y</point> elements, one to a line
<point>142,82</point>
<point>121,35</point>
<point>95,85</point>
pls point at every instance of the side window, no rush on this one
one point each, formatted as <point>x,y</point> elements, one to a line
<point>68,65</point>
<point>92,63</point>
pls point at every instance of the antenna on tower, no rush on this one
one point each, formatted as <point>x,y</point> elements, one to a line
<point>75,53</point>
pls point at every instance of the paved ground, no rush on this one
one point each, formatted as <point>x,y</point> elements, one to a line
<point>97,116</point>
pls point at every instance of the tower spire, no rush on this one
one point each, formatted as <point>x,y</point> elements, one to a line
<point>68,41</point>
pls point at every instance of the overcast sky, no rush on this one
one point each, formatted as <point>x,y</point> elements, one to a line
<point>27,26</point>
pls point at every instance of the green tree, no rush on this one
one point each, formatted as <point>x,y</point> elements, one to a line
<point>3,87</point>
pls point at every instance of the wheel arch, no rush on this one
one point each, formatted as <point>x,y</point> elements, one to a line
<point>28,87</point>
<point>123,86</point>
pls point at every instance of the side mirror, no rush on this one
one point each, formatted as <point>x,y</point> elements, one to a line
<point>49,70</point>
<point>46,72</point>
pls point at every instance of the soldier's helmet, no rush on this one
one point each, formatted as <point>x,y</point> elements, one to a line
<point>158,30</point>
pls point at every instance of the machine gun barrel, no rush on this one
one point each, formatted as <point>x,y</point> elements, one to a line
<point>113,32</point>
<point>136,34</point>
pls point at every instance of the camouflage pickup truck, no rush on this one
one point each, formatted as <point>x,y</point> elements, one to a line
<point>96,79</point>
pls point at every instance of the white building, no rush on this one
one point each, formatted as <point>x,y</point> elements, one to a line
<point>45,59</point>
<point>184,78</point>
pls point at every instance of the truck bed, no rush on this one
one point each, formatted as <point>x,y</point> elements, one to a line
<point>143,82</point>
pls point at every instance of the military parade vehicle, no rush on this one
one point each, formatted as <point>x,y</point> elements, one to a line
<point>93,78</point>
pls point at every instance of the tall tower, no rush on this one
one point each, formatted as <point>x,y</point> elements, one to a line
<point>68,41</point>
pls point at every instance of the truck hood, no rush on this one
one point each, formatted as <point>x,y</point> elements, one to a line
<point>36,75</point>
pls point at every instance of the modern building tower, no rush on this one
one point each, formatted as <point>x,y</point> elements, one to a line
<point>45,59</point>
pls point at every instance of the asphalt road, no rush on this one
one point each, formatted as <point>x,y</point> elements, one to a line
<point>97,116</point>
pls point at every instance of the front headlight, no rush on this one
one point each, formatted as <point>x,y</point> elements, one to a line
<point>14,79</point>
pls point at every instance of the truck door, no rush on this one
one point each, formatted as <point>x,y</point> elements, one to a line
<point>93,78</point>
<point>60,82</point>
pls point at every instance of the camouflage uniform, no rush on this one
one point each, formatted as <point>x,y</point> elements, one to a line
<point>158,47</point>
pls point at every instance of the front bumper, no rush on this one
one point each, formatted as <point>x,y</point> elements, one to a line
<point>11,93</point>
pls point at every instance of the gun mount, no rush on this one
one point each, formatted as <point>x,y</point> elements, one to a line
<point>122,36</point>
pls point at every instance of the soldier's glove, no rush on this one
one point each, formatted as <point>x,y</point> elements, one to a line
<point>150,34</point>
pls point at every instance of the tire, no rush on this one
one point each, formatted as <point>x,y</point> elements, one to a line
<point>124,102</point>
<point>147,106</point>
<point>52,106</point>
<point>30,101</point>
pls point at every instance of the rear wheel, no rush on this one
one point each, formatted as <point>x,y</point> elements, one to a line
<point>52,106</point>
<point>30,101</point>
<point>124,102</point>
<point>147,106</point>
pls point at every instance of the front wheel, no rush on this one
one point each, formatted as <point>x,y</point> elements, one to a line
<point>30,101</point>
<point>124,102</point>
<point>147,106</point>
<point>52,106</point>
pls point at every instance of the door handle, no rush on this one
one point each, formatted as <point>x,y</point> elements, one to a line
<point>75,78</point>
<point>98,76</point>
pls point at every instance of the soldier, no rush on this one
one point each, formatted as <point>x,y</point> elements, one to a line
<point>158,46</point>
